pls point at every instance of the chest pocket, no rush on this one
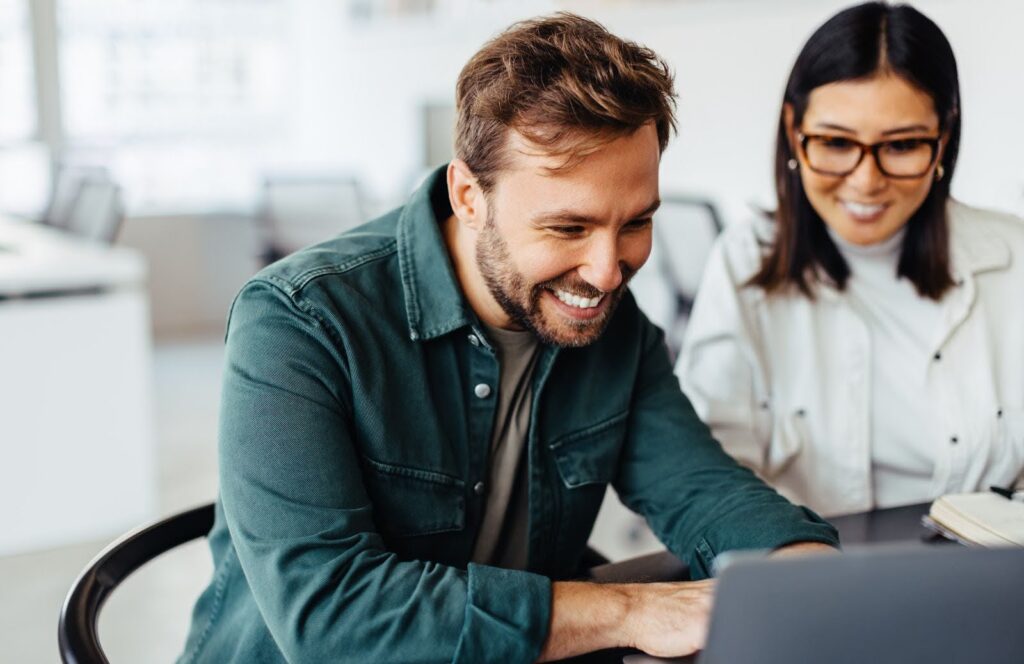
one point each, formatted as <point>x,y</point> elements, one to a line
<point>410,502</point>
<point>591,455</point>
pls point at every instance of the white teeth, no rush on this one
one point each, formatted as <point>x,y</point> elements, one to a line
<point>861,209</point>
<point>577,301</point>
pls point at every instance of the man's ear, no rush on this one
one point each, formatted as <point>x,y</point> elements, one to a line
<point>465,195</point>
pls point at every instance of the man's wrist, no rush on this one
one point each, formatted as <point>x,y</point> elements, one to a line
<point>589,616</point>
<point>797,548</point>
<point>632,605</point>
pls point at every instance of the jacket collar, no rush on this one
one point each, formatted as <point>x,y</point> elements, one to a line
<point>974,250</point>
<point>434,303</point>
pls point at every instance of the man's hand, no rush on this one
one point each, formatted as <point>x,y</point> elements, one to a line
<point>671,619</point>
<point>666,619</point>
<point>662,619</point>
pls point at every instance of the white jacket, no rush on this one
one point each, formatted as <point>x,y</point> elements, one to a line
<point>783,381</point>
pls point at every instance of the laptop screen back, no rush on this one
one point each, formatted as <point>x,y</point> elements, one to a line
<point>882,606</point>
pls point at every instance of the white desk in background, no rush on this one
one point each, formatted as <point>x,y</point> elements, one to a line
<point>77,446</point>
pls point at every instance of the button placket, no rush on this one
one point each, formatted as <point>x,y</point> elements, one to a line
<point>482,378</point>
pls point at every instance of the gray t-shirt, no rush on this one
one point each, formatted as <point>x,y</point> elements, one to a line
<point>502,538</point>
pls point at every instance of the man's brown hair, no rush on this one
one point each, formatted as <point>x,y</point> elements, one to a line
<point>566,84</point>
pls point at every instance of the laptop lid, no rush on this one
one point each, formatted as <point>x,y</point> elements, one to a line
<point>879,605</point>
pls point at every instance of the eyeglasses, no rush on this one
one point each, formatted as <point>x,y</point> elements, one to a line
<point>839,156</point>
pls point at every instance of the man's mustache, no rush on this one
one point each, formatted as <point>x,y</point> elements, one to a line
<point>579,287</point>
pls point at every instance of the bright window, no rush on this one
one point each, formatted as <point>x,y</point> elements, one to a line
<point>179,98</point>
<point>24,168</point>
<point>18,113</point>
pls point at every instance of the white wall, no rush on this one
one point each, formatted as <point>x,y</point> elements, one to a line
<point>359,90</point>
<point>361,87</point>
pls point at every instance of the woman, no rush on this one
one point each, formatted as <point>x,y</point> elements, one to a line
<point>865,348</point>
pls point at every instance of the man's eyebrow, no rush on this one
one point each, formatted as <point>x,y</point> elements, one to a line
<point>564,217</point>
<point>571,217</point>
<point>649,210</point>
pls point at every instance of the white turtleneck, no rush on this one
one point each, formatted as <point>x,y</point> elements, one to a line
<point>902,326</point>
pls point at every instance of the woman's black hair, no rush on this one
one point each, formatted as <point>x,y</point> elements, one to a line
<point>857,43</point>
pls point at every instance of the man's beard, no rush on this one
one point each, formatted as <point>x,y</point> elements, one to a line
<point>521,301</point>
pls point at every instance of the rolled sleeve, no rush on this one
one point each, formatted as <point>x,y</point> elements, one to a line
<point>507,616</point>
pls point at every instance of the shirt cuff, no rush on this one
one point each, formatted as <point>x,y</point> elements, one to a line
<point>507,616</point>
<point>770,528</point>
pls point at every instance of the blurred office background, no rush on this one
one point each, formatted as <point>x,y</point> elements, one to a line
<point>155,153</point>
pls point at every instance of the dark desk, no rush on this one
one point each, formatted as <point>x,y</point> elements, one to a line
<point>889,526</point>
<point>894,525</point>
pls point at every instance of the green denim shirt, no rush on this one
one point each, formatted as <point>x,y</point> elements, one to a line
<point>354,439</point>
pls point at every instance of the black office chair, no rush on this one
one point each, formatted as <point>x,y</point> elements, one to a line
<point>76,632</point>
<point>79,617</point>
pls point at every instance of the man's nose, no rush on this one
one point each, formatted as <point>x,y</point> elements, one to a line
<point>602,267</point>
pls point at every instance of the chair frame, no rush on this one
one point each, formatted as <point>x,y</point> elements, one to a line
<point>77,630</point>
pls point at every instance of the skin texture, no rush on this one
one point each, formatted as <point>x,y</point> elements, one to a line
<point>584,230</point>
<point>883,107</point>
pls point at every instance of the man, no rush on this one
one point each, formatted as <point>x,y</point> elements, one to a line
<point>420,417</point>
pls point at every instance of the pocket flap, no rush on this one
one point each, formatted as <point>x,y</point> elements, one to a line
<point>590,455</point>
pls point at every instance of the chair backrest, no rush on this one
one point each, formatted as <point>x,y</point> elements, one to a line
<point>97,212</point>
<point>301,210</point>
<point>76,632</point>
<point>65,191</point>
<point>684,231</point>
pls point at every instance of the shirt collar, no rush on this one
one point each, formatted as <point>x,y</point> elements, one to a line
<point>972,249</point>
<point>434,303</point>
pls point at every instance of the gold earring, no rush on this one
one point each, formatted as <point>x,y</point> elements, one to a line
<point>939,172</point>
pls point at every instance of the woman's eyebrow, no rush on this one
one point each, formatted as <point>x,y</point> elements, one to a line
<point>888,132</point>
<point>903,130</point>
<point>835,127</point>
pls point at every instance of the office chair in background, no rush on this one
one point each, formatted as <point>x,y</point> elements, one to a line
<point>685,229</point>
<point>86,202</point>
<point>296,211</point>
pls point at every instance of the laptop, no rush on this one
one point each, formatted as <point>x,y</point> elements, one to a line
<point>878,605</point>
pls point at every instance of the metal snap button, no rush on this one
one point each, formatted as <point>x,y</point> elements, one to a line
<point>482,390</point>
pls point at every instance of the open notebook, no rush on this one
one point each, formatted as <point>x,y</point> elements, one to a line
<point>978,519</point>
